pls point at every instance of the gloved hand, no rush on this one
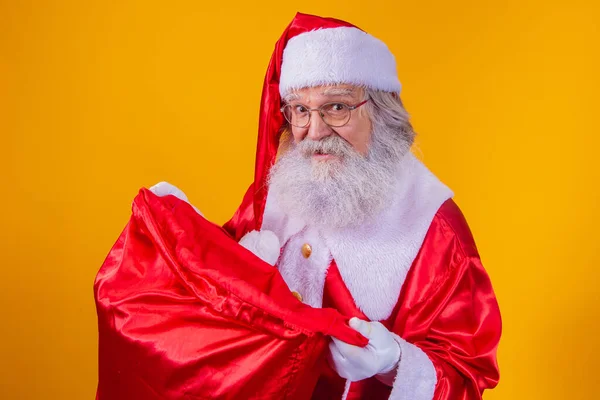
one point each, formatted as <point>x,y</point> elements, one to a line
<point>264,244</point>
<point>380,356</point>
<point>165,188</point>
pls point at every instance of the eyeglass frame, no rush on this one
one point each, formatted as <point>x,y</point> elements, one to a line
<point>321,114</point>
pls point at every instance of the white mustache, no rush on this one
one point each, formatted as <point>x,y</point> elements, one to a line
<point>332,144</point>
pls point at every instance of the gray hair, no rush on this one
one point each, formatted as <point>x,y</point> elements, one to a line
<point>388,114</point>
<point>390,122</point>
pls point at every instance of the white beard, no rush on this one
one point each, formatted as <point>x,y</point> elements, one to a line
<point>338,193</point>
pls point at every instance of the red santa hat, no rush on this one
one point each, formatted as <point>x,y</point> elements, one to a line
<point>312,51</point>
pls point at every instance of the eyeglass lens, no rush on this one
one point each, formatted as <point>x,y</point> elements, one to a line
<point>333,114</point>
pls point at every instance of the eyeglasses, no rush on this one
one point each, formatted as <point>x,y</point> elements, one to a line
<point>333,114</point>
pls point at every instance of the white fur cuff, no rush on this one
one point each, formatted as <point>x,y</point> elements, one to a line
<point>416,376</point>
<point>264,244</point>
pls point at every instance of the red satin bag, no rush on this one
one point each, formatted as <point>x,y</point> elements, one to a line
<point>185,312</point>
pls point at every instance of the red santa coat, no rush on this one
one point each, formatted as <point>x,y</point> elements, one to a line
<point>446,314</point>
<point>416,269</point>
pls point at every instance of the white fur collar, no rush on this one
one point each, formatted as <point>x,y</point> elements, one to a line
<point>374,258</point>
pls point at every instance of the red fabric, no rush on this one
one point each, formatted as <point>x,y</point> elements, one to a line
<point>450,311</point>
<point>185,312</point>
<point>446,307</point>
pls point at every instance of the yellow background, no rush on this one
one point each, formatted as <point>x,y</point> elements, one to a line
<point>99,98</point>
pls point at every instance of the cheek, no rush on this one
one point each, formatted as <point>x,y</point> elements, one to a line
<point>360,136</point>
<point>298,134</point>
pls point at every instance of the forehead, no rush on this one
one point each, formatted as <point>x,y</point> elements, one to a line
<point>327,92</point>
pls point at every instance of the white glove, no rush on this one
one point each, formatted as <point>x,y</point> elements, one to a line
<point>354,363</point>
<point>165,188</point>
<point>264,244</point>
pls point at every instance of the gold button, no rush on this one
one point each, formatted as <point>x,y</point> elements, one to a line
<point>306,250</point>
<point>297,295</point>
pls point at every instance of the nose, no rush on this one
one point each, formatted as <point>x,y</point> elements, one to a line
<point>317,128</point>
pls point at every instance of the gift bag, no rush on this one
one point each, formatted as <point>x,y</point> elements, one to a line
<point>185,312</point>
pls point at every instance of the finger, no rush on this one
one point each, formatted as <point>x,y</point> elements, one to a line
<point>348,350</point>
<point>380,335</point>
<point>336,359</point>
<point>334,352</point>
<point>158,189</point>
<point>363,327</point>
<point>338,362</point>
<point>165,188</point>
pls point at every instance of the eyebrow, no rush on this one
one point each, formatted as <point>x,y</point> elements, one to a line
<point>291,97</point>
<point>334,91</point>
<point>329,92</point>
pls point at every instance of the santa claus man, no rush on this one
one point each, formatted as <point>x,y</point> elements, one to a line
<point>354,221</point>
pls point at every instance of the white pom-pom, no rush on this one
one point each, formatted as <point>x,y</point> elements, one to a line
<point>264,244</point>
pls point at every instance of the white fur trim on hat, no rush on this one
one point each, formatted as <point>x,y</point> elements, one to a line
<point>337,55</point>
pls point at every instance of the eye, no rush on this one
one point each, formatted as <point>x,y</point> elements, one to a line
<point>299,109</point>
<point>335,108</point>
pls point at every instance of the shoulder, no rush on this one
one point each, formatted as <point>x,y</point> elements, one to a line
<point>450,226</point>
<point>447,253</point>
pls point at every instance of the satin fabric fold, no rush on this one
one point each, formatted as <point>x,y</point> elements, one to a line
<point>185,312</point>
